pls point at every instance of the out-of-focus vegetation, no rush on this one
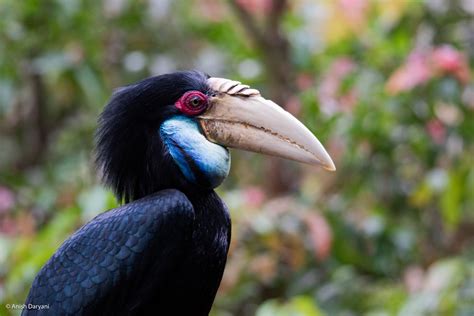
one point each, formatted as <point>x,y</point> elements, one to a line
<point>386,85</point>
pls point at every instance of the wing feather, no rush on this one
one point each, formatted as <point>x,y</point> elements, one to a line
<point>90,271</point>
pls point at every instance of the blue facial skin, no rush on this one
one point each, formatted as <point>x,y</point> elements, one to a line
<point>201,162</point>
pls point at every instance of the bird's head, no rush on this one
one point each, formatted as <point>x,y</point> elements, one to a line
<point>173,130</point>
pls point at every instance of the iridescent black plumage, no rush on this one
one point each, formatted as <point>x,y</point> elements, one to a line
<point>161,254</point>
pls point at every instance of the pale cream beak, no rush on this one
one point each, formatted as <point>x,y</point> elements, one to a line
<point>238,117</point>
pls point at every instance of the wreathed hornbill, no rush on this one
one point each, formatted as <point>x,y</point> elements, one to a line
<point>162,147</point>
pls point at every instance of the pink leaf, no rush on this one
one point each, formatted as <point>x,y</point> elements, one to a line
<point>7,199</point>
<point>437,131</point>
<point>254,196</point>
<point>413,277</point>
<point>329,93</point>
<point>450,61</point>
<point>260,7</point>
<point>414,72</point>
<point>320,233</point>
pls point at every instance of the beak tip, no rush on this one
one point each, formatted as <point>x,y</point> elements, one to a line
<point>324,160</point>
<point>327,164</point>
<point>330,167</point>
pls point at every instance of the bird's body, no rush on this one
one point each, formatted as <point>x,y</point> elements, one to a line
<point>161,147</point>
<point>148,257</point>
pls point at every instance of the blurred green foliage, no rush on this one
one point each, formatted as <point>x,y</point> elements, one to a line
<point>385,85</point>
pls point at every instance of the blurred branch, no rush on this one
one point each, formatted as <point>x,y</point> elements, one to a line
<point>33,125</point>
<point>250,25</point>
<point>278,10</point>
<point>274,47</point>
<point>280,72</point>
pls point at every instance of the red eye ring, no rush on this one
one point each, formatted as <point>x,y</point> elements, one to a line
<point>192,103</point>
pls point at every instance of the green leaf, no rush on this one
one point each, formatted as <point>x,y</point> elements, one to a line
<point>451,200</point>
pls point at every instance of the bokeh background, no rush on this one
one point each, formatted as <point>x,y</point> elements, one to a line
<point>386,86</point>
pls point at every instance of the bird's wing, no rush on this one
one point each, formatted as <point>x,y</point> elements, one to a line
<point>91,269</point>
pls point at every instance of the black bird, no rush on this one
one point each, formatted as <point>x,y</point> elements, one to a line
<point>162,147</point>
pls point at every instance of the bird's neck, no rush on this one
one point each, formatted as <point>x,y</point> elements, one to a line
<point>206,203</point>
<point>207,251</point>
<point>212,220</point>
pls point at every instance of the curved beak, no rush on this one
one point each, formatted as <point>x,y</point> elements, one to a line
<point>238,117</point>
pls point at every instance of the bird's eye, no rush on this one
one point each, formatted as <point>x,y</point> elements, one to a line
<point>192,103</point>
<point>195,101</point>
